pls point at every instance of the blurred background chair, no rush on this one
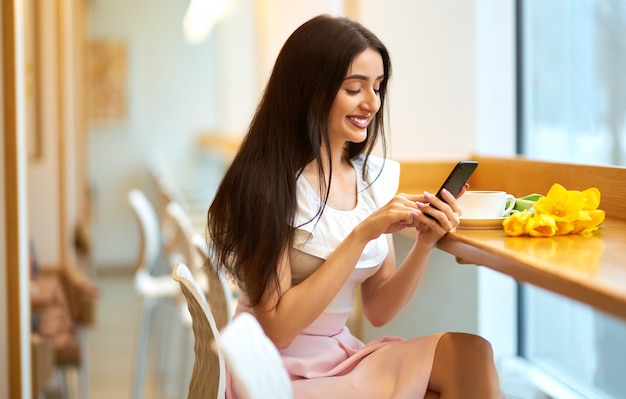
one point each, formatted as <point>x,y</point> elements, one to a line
<point>221,295</point>
<point>157,290</point>
<point>168,188</point>
<point>180,249</point>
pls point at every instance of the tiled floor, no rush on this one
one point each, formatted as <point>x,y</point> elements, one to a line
<point>112,338</point>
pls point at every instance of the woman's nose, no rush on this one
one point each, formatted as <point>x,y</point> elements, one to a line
<point>371,102</point>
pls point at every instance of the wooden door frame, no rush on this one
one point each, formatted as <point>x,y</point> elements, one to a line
<point>16,269</point>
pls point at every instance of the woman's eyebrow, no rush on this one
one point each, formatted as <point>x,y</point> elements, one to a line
<point>363,77</point>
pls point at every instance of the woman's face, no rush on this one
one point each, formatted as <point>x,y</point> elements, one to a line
<point>358,99</point>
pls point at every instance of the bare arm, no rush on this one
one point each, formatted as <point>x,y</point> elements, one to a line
<point>385,293</point>
<point>300,305</point>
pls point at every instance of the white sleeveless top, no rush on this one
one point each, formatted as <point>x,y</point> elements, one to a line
<point>317,237</point>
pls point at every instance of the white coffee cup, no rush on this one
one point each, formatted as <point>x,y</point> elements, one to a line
<point>481,204</point>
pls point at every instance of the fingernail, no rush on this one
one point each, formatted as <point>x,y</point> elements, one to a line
<point>428,195</point>
<point>420,205</point>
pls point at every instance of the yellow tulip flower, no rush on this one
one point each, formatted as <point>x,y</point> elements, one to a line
<point>560,212</point>
<point>515,225</point>
<point>564,205</point>
<point>541,225</point>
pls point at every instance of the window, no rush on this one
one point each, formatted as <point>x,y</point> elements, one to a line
<point>572,63</point>
<point>574,86</point>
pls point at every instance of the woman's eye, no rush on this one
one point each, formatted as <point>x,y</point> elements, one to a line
<point>354,92</point>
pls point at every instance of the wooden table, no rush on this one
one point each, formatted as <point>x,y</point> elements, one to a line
<point>591,269</point>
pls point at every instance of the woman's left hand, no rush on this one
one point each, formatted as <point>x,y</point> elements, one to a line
<point>444,216</point>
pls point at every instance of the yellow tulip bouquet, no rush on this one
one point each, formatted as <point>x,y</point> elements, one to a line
<point>559,212</point>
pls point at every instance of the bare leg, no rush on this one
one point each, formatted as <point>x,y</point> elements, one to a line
<point>463,368</point>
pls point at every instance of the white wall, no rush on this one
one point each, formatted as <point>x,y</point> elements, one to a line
<point>432,92</point>
<point>236,68</point>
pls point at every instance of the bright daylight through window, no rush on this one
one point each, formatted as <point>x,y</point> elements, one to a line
<point>573,109</point>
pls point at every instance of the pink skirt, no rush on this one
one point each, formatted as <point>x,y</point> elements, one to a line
<point>327,361</point>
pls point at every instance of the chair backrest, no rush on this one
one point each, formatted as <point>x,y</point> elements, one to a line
<point>253,360</point>
<point>208,378</point>
<point>180,248</point>
<point>164,182</point>
<point>148,230</point>
<point>167,193</point>
<point>220,294</point>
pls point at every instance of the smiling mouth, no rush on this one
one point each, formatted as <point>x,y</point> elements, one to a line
<point>359,121</point>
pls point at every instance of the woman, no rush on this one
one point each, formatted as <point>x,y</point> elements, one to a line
<point>304,215</point>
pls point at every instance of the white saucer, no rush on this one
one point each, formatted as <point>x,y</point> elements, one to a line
<point>480,224</point>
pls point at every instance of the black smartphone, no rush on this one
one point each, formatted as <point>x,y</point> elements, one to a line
<point>457,179</point>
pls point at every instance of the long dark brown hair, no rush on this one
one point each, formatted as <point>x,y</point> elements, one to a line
<point>250,222</point>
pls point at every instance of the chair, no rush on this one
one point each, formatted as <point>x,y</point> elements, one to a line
<point>166,191</point>
<point>208,379</point>
<point>182,250</point>
<point>220,293</point>
<point>158,292</point>
<point>253,360</point>
<point>165,184</point>
<point>189,248</point>
<point>180,247</point>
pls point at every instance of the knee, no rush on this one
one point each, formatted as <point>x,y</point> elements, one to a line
<point>467,348</point>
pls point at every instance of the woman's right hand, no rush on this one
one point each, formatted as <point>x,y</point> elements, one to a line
<point>399,213</point>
